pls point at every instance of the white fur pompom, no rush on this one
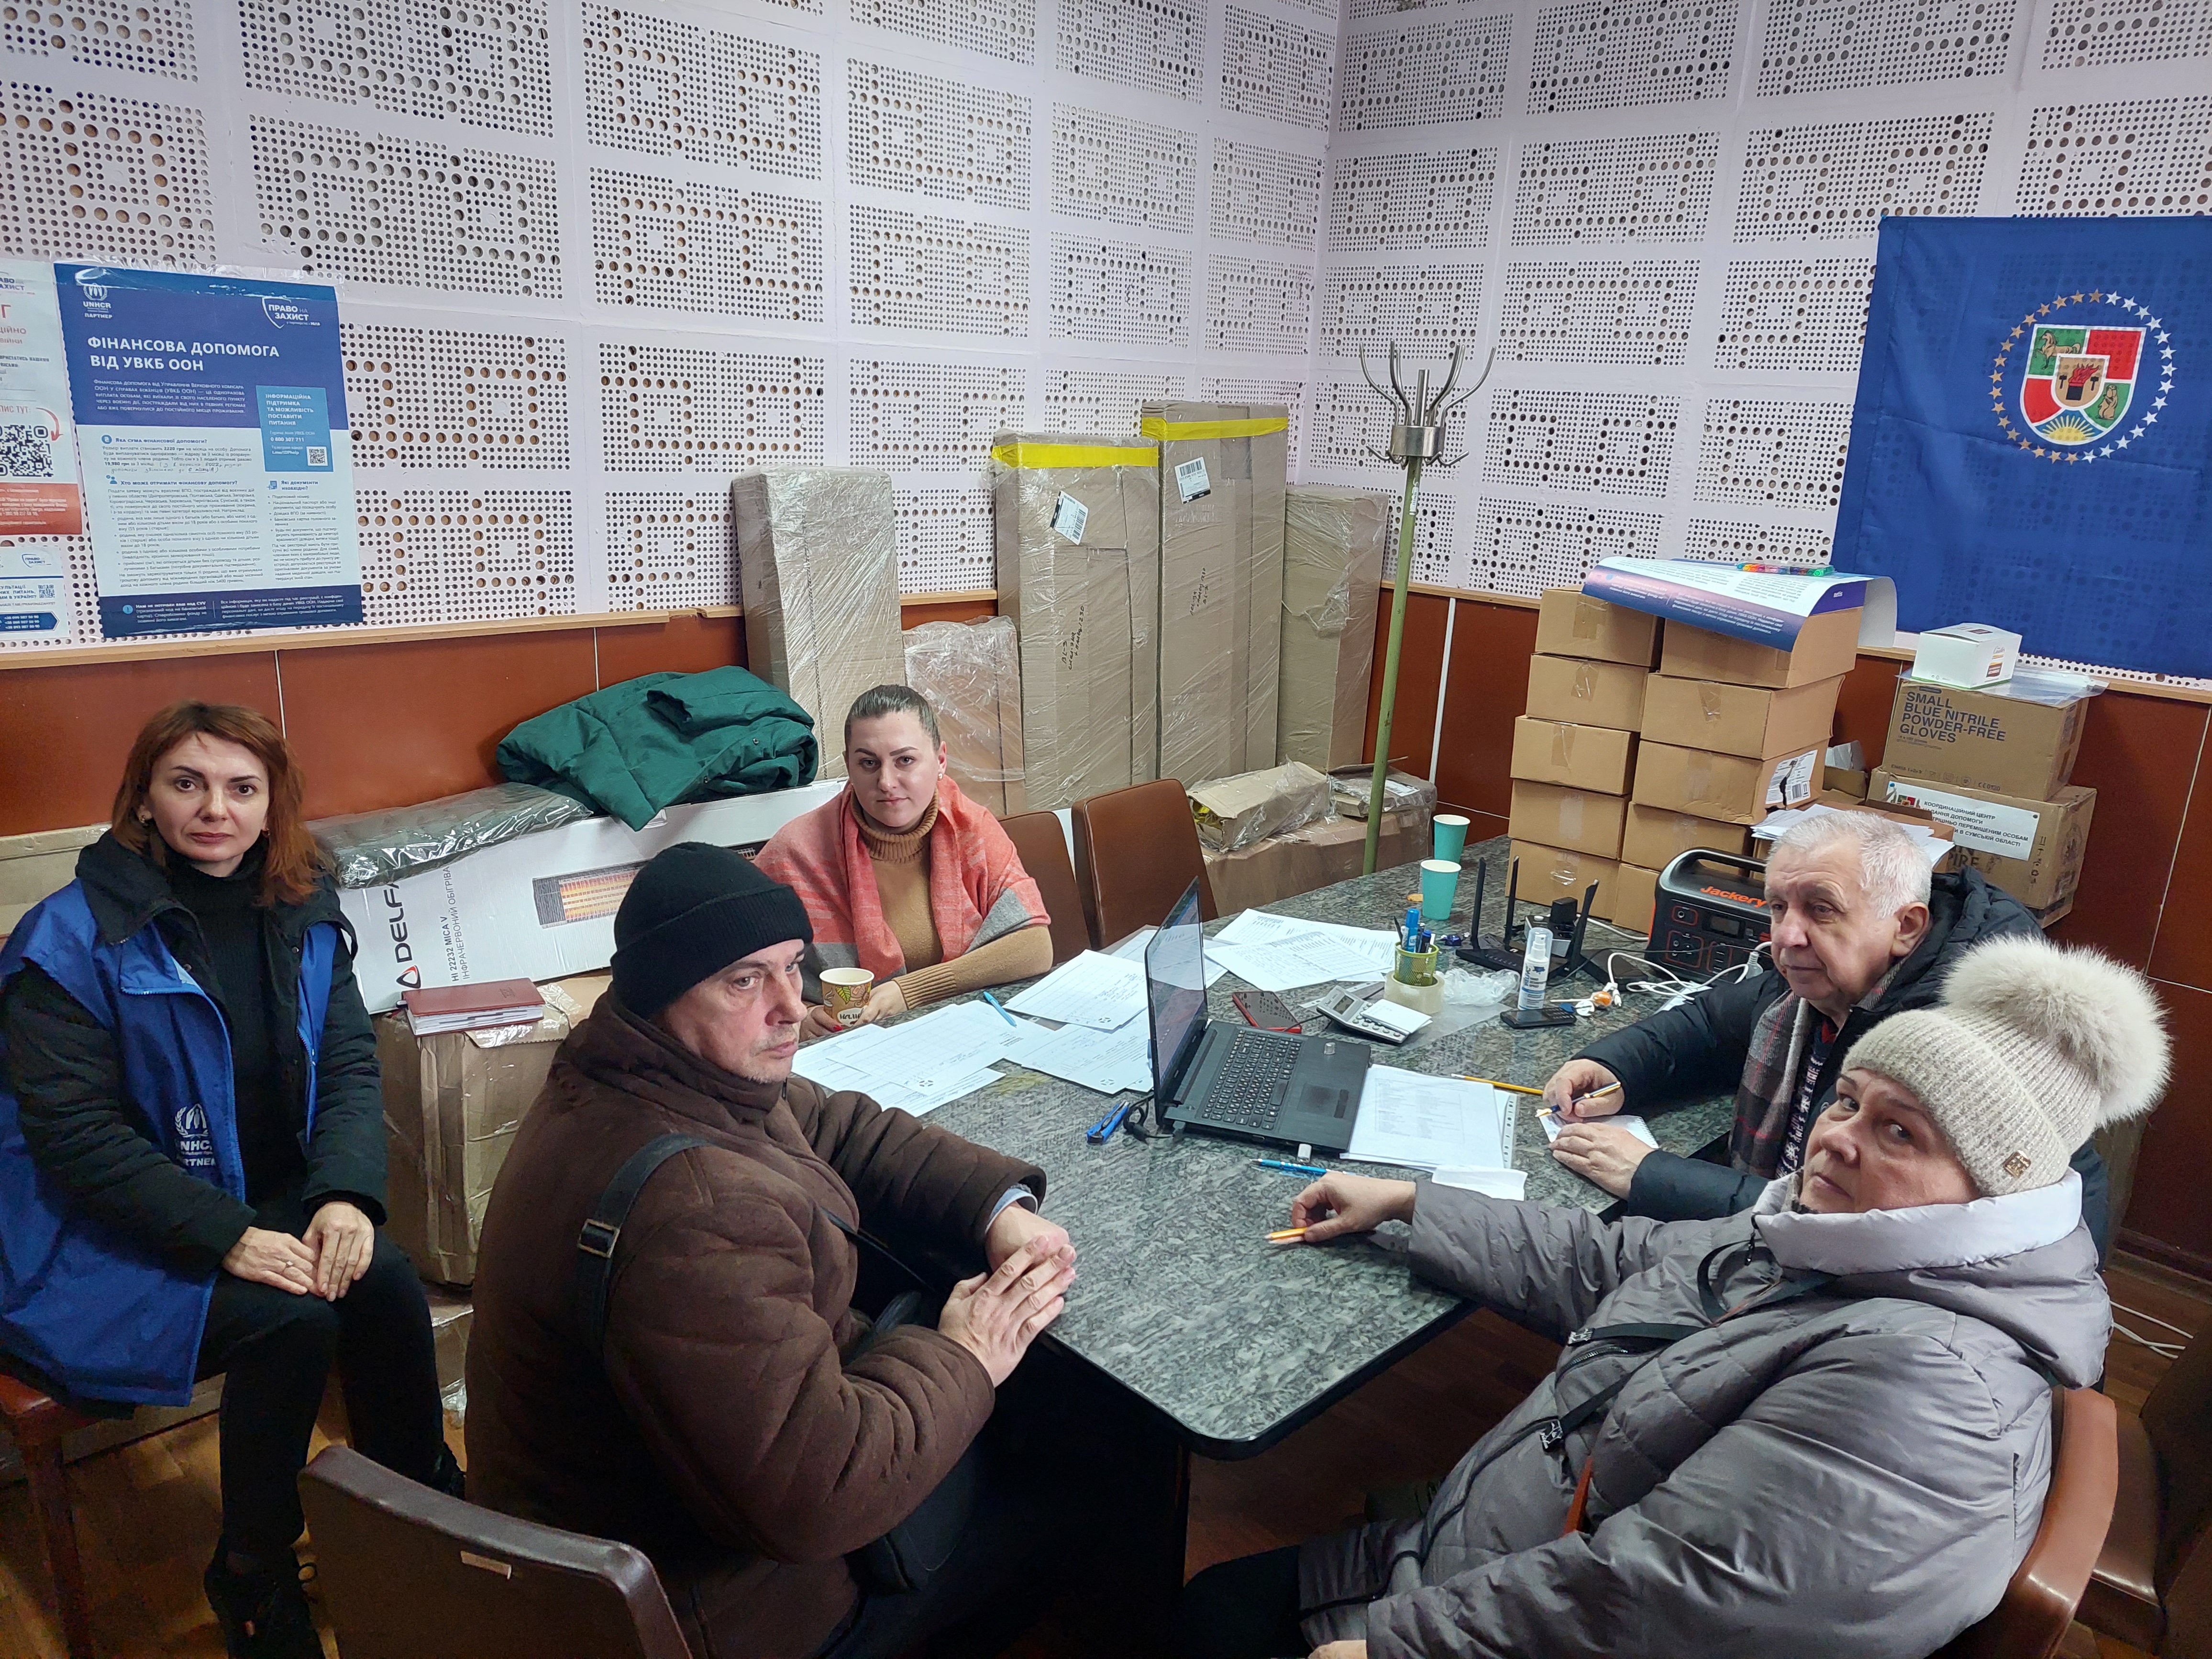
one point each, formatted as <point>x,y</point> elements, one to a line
<point>2102,1016</point>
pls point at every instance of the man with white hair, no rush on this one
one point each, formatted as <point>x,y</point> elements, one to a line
<point>1859,931</point>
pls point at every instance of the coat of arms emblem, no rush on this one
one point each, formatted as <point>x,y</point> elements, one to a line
<point>2078,381</point>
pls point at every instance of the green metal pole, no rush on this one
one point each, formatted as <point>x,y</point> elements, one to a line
<point>1375,789</point>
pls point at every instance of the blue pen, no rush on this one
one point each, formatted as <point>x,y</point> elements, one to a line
<point>1103,1131</point>
<point>1003,1014</point>
<point>1294,1169</point>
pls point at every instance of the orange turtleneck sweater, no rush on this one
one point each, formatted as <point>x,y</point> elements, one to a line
<point>901,861</point>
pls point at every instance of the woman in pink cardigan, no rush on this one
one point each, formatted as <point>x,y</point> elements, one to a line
<point>903,875</point>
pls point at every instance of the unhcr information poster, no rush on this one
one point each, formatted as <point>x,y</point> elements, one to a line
<point>217,467</point>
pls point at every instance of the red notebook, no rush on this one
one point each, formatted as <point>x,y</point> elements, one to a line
<point>467,1007</point>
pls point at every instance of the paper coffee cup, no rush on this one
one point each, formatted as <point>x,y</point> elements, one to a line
<point>845,994</point>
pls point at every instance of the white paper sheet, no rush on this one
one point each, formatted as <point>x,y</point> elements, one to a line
<point>1628,1121</point>
<point>1108,1061</point>
<point>1132,948</point>
<point>917,1066</point>
<point>1495,1183</point>
<point>1425,1122</point>
<point>1280,953</point>
<point>1097,990</point>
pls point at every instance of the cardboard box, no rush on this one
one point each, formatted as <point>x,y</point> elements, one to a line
<point>1333,544</point>
<point>1587,693</point>
<point>971,673</point>
<point>1754,722</point>
<point>451,1314</point>
<point>1827,646</point>
<point>1654,837</point>
<point>1234,812</point>
<point>1077,545</point>
<point>1283,867</point>
<point>1570,623</point>
<point>1965,653</point>
<point>818,569</point>
<point>1596,757</point>
<point>1851,783</point>
<point>1635,892</point>
<point>1222,482</point>
<point>1558,872</point>
<point>1994,740</point>
<point>2032,848</point>
<point>1728,788</point>
<point>1577,819</point>
<point>452,1102</point>
<point>37,865</point>
<point>1764,836</point>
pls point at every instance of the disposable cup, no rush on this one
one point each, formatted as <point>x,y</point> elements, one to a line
<point>1451,835</point>
<point>1439,888</point>
<point>845,994</point>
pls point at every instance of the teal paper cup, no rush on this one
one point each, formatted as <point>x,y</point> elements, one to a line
<point>1439,887</point>
<point>1451,835</point>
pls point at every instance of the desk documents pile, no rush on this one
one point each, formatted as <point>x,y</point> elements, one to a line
<point>1460,1131</point>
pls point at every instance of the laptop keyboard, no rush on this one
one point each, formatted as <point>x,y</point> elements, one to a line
<point>1248,1090</point>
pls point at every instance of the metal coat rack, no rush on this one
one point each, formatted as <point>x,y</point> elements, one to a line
<point>1416,435</point>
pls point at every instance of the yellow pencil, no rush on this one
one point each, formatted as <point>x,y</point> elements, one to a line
<point>1516,1088</point>
<point>1286,1236</point>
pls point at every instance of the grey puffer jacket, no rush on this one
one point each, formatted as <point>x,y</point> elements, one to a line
<point>1857,1470</point>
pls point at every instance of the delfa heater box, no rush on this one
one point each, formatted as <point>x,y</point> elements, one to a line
<point>1711,912</point>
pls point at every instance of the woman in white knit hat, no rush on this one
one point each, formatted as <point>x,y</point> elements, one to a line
<point>1826,1419</point>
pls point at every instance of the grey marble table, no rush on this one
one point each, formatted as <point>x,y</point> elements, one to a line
<point>1179,1297</point>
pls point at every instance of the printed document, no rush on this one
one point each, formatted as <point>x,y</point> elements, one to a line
<point>1099,991</point>
<point>1628,1121</point>
<point>1424,1122</point>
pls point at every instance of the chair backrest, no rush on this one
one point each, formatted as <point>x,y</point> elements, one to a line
<point>1042,845</point>
<point>1136,849</point>
<point>2178,1417</point>
<point>409,1573</point>
<point>2038,1603</point>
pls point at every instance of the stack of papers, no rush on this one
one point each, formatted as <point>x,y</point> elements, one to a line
<point>1108,1061</point>
<point>1099,991</point>
<point>1424,1122</point>
<point>1280,953</point>
<point>917,1066</point>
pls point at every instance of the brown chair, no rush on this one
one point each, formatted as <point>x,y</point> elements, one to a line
<point>2038,1609</point>
<point>409,1573</point>
<point>2153,1585</point>
<point>1042,845</point>
<point>1136,849</point>
<point>38,1422</point>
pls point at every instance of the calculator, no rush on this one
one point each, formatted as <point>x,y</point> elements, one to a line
<point>1365,1012</point>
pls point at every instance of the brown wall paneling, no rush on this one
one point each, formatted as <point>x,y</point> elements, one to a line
<point>2139,754</point>
<point>64,732</point>
<point>2167,1216</point>
<point>958,611</point>
<point>1486,691</point>
<point>683,645</point>
<point>1864,704</point>
<point>1420,671</point>
<point>2182,951</point>
<point>388,724</point>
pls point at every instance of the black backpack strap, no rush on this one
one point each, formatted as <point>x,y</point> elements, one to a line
<point>602,1231</point>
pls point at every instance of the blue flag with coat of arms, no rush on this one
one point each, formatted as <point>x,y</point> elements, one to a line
<point>2032,444</point>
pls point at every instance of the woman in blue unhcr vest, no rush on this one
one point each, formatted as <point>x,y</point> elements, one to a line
<point>191,1149</point>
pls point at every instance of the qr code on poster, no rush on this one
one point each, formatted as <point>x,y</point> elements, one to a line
<point>26,452</point>
<point>318,455</point>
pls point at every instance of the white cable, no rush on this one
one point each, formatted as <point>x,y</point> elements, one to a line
<point>2170,1350</point>
<point>2166,1324</point>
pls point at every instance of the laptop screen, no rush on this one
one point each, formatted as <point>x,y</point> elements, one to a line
<point>1175,990</point>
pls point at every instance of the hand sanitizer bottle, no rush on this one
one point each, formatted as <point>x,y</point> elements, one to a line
<point>1535,969</point>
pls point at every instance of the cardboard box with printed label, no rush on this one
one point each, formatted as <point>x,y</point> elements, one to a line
<point>1827,646</point>
<point>1653,836</point>
<point>2032,848</point>
<point>1570,623</point>
<point>1579,820</point>
<point>1755,721</point>
<point>1333,543</point>
<point>1635,891</point>
<point>1580,757</point>
<point>1997,740</point>
<point>1728,788</point>
<point>1077,545</point>
<point>1587,693</point>
<point>1558,872</point>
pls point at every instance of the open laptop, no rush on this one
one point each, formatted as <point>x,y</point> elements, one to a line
<point>1235,1079</point>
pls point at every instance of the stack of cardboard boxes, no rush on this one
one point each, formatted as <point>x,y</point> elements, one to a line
<point>1996,765</point>
<point>1732,731</point>
<point>1574,751</point>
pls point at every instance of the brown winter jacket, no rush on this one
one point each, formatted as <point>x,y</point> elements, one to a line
<point>724,1434</point>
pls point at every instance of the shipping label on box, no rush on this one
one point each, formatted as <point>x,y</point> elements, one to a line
<point>1547,873</point>
<point>1751,720</point>
<point>2031,848</point>
<point>1654,836</point>
<point>2008,744</point>
<point>1580,757</point>
<point>1577,819</point>
<point>1586,693</point>
<point>1570,623</point>
<point>1728,788</point>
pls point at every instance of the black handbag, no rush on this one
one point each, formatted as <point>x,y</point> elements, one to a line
<point>903,1559</point>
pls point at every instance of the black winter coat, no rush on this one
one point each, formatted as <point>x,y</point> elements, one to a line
<point>66,1076</point>
<point>1700,1049</point>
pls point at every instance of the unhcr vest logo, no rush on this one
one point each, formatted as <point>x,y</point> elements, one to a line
<point>195,1146</point>
<point>2083,377</point>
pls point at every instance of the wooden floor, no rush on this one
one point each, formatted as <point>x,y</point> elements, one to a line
<point>148,1513</point>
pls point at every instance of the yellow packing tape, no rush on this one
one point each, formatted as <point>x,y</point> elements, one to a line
<point>1154,427</point>
<point>1038,454</point>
